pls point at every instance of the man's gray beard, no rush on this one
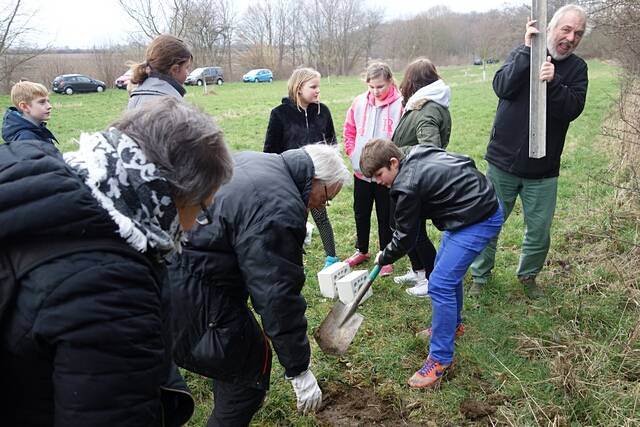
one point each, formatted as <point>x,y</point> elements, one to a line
<point>554,53</point>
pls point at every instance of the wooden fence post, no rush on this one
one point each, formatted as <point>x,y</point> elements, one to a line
<point>538,88</point>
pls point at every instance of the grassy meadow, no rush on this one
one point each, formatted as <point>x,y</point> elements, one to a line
<point>571,358</point>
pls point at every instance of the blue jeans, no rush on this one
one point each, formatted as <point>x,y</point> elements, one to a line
<point>457,251</point>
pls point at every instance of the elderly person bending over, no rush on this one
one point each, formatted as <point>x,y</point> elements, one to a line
<point>83,239</point>
<point>252,248</point>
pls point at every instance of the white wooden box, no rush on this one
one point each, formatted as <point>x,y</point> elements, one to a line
<point>349,285</point>
<point>327,278</point>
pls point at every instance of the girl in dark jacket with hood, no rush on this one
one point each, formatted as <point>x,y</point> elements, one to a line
<point>300,120</point>
<point>426,120</point>
<point>84,337</point>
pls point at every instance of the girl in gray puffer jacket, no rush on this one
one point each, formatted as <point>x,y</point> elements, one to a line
<point>166,66</point>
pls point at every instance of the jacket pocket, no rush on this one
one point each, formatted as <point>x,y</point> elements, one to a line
<point>216,343</point>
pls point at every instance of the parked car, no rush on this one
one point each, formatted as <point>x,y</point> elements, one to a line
<point>258,75</point>
<point>492,60</point>
<point>122,81</point>
<point>72,83</point>
<point>205,74</point>
<point>477,61</point>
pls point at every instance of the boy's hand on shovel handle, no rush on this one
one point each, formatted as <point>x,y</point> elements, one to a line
<point>378,255</point>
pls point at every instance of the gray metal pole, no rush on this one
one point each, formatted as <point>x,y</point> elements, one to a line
<point>538,88</point>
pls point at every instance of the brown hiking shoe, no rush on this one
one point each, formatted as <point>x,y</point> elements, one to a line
<point>531,288</point>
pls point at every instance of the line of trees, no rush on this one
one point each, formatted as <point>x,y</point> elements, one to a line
<point>334,36</point>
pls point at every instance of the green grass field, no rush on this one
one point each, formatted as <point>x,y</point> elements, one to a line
<point>572,358</point>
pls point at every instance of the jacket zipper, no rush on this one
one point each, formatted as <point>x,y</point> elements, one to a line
<point>306,119</point>
<point>265,365</point>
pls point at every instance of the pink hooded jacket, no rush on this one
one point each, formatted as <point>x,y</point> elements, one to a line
<point>366,121</point>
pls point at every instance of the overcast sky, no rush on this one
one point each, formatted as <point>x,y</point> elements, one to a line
<point>87,23</point>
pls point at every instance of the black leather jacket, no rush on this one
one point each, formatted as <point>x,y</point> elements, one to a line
<point>443,187</point>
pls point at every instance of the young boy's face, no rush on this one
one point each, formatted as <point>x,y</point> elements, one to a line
<point>386,175</point>
<point>39,109</point>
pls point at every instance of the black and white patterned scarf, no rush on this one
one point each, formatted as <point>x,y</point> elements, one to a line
<point>130,188</point>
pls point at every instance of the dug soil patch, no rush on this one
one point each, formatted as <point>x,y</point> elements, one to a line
<point>348,406</point>
<point>475,409</point>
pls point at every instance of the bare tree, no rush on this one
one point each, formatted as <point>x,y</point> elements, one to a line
<point>14,52</point>
<point>372,21</point>
<point>265,30</point>
<point>206,30</point>
<point>109,63</point>
<point>155,17</point>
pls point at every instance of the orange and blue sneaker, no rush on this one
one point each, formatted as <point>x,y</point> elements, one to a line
<point>429,375</point>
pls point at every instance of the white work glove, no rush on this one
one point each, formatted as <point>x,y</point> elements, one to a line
<point>308,393</point>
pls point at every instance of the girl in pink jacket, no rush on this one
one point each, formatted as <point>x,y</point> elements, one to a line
<point>373,114</point>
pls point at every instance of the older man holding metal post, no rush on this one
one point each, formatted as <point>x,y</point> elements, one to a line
<point>251,247</point>
<point>510,169</point>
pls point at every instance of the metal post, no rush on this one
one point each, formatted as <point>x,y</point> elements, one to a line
<point>538,88</point>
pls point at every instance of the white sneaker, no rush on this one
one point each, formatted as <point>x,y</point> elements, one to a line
<point>420,290</point>
<point>410,278</point>
<point>307,237</point>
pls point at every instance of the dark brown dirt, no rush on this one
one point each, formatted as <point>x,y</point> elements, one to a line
<point>476,409</point>
<point>348,406</point>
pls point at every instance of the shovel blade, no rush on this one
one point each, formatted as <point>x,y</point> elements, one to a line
<point>336,332</point>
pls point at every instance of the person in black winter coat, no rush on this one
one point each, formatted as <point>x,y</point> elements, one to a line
<point>446,188</point>
<point>510,169</point>
<point>251,247</point>
<point>28,119</point>
<point>84,333</point>
<point>300,120</point>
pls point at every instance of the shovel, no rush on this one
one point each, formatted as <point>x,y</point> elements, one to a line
<point>340,326</point>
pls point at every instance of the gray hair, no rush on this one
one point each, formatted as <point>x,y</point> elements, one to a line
<point>184,143</point>
<point>579,10</point>
<point>328,164</point>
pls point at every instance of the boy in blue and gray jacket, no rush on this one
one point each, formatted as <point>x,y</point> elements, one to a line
<point>27,120</point>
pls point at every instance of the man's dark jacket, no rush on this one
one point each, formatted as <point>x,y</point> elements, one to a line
<point>437,185</point>
<point>509,145</point>
<point>16,128</point>
<point>253,248</point>
<point>290,127</point>
<point>82,342</point>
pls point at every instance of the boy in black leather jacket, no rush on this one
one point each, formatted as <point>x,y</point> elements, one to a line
<point>430,183</point>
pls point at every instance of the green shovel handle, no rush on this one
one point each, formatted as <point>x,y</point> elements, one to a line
<point>374,272</point>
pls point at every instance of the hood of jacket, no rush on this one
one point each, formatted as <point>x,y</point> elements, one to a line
<point>40,195</point>
<point>437,92</point>
<point>130,187</point>
<point>155,85</point>
<point>93,192</point>
<point>392,95</point>
<point>14,123</point>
